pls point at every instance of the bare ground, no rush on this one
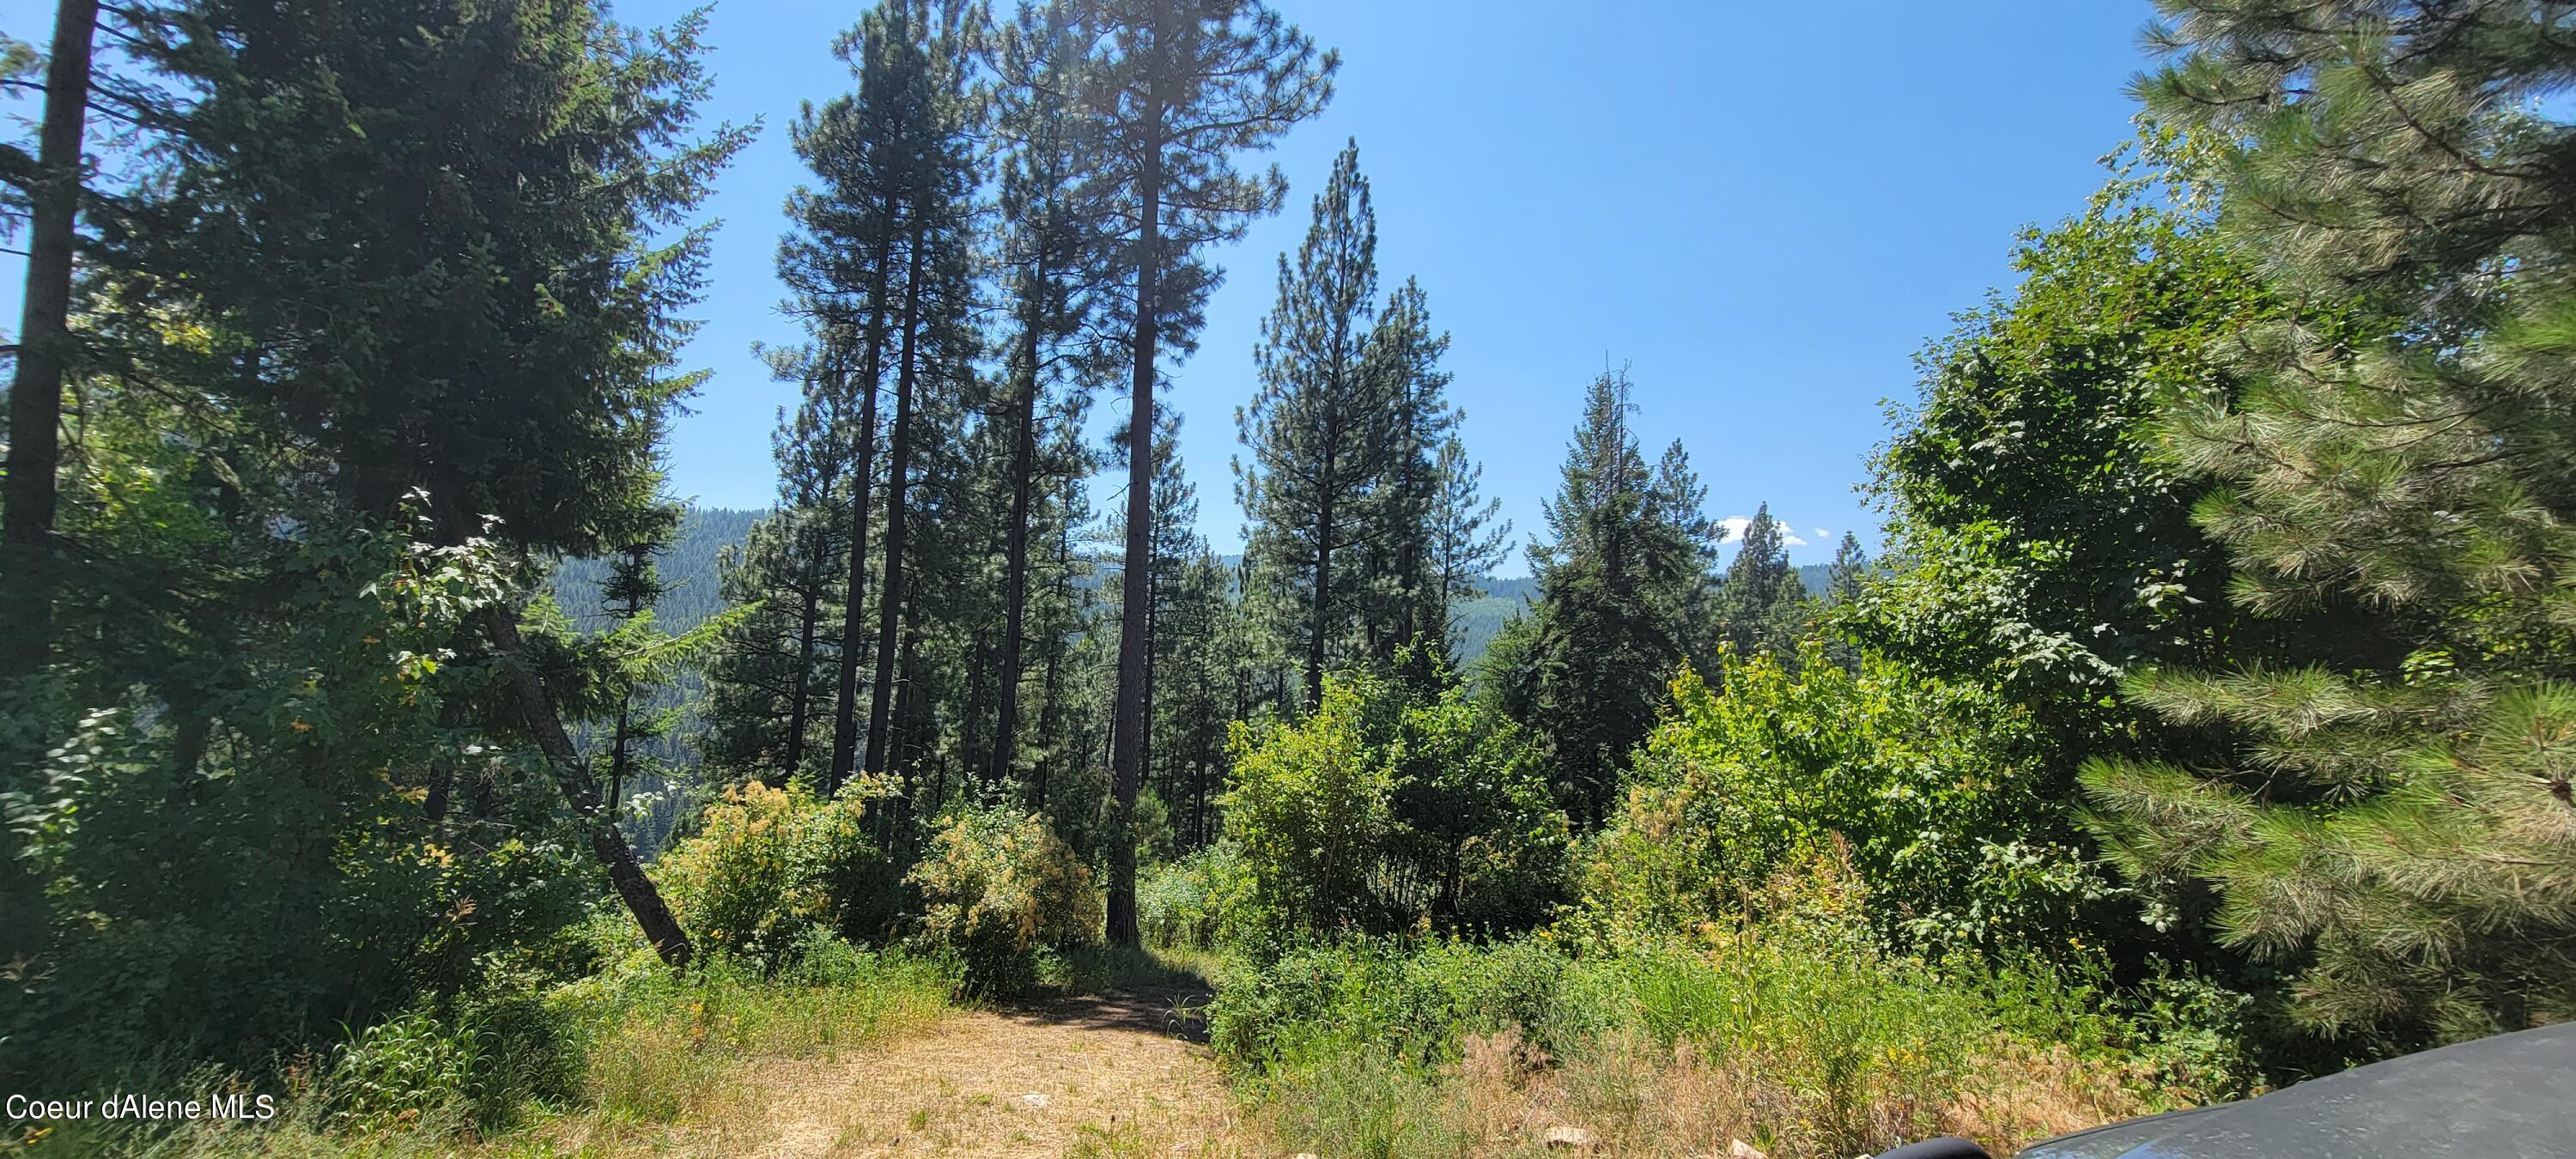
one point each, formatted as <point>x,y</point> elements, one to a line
<point>1114,1075</point>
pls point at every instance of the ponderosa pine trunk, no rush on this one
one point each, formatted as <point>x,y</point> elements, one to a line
<point>898,470</point>
<point>1127,750</point>
<point>29,563</point>
<point>845,710</point>
<point>1015,580</point>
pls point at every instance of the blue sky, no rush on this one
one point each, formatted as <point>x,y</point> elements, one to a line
<point>1764,210</point>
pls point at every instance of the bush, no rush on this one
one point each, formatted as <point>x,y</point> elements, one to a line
<point>771,863</point>
<point>1932,791</point>
<point>997,888</point>
<point>1197,902</point>
<point>1384,813</point>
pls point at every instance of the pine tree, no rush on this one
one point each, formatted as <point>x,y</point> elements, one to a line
<point>1057,260</point>
<point>1758,599</point>
<point>2395,824</point>
<point>1467,536</point>
<point>768,673</point>
<point>1404,606</point>
<point>1847,571</point>
<point>1186,84</point>
<point>53,184</point>
<point>1315,426</point>
<point>1587,667</point>
<point>502,343</point>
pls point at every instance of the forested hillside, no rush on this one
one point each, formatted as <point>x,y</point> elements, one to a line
<point>381,742</point>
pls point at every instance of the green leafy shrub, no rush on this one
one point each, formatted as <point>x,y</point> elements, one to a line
<point>1196,901</point>
<point>770,863</point>
<point>997,888</point>
<point>1932,791</point>
<point>1382,812</point>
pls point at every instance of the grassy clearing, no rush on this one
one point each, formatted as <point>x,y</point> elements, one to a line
<point>632,1061</point>
<point>1450,1049</point>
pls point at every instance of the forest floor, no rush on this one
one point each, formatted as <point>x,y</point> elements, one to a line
<point>1121,1073</point>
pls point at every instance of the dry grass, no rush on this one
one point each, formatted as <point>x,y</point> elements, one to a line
<point>1634,1098</point>
<point>1109,1076</point>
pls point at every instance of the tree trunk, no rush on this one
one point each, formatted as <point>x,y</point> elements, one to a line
<point>809,613</point>
<point>28,565</point>
<point>1015,581</point>
<point>537,711</point>
<point>1126,753</point>
<point>1323,564</point>
<point>890,592</point>
<point>845,711</point>
<point>800,696</point>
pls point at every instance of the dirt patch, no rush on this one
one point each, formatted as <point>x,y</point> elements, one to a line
<point>1115,1074</point>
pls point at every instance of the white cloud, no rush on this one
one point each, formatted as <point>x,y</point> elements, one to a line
<point>1821,533</point>
<point>1736,524</point>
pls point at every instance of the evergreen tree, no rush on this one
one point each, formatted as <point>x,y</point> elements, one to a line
<point>1404,606</point>
<point>425,241</point>
<point>1185,84</point>
<point>1467,536</point>
<point>1057,267</point>
<point>53,184</point>
<point>768,674</point>
<point>1848,570</point>
<point>1758,600</point>
<point>1587,667</point>
<point>1315,426</point>
<point>2393,822</point>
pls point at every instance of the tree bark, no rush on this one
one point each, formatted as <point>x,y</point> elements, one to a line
<point>29,563</point>
<point>537,711</point>
<point>1126,753</point>
<point>1015,582</point>
<point>845,710</point>
<point>890,592</point>
<point>809,613</point>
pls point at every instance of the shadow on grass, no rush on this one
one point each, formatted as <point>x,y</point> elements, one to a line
<point>1152,991</point>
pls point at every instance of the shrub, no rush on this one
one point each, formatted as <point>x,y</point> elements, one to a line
<point>770,863</point>
<point>1932,791</point>
<point>1381,813</point>
<point>999,886</point>
<point>1196,902</point>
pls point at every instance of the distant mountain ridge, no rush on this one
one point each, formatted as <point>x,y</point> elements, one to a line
<point>689,567</point>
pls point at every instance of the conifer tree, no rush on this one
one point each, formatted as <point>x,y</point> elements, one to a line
<point>53,184</point>
<point>1586,668</point>
<point>502,342</point>
<point>1184,86</point>
<point>1404,604</point>
<point>1316,426</point>
<point>2395,823</point>
<point>1057,267</point>
<point>1466,534</point>
<point>1758,599</point>
<point>767,675</point>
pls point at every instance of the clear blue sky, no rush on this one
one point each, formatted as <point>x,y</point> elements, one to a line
<point>1765,209</point>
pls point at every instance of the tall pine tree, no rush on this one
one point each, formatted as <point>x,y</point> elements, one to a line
<point>2394,825</point>
<point>1185,85</point>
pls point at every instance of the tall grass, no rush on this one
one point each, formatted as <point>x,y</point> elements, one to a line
<point>625,1060</point>
<point>1801,1048</point>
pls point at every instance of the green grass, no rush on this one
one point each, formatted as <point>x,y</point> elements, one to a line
<point>1386,1048</point>
<point>624,1061</point>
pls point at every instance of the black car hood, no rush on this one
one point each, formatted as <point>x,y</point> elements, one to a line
<point>2508,1096</point>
